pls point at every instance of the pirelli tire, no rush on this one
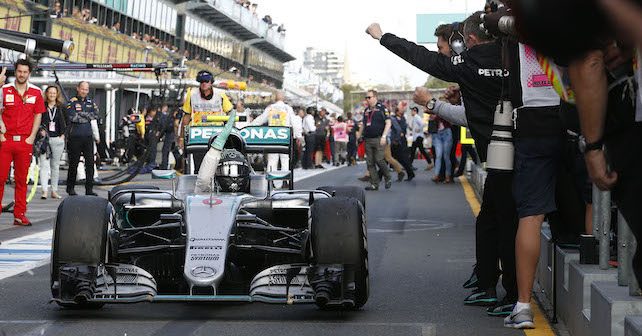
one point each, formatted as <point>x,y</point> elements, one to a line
<point>338,235</point>
<point>346,191</point>
<point>80,237</point>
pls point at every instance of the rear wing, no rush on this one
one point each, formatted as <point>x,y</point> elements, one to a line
<point>257,139</point>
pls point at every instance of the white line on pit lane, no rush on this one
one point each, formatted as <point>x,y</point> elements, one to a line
<point>32,251</point>
<point>25,253</point>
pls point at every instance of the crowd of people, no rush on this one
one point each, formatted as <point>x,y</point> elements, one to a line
<point>537,101</point>
<point>84,14</point>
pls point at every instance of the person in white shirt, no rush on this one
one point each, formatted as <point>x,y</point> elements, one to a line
<point>309,129</point>
<point>417,127</point>
<point>279,114</point>
<point>300,142</point>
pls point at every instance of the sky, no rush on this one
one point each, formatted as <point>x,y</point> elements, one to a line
<point>340,25</point>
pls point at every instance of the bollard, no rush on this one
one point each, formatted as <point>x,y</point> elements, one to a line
<point>624,235</point>
<point>634,286</point>
<point>605,227</point>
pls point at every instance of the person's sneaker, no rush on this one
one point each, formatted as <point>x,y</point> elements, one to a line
<point>481,297</point>
<point>410,177</point>
<point>388,184</point>
<point>91,193</point>
<point>430,166</point>
<point>55,195</point>
<point>522,319</point>
<point>400,176</point>
<point>364,178</point>
<point>71,192</point>
<point>473,281</point>
<point>502,308</point>
<point>43,196</point>
<point>372,187</point>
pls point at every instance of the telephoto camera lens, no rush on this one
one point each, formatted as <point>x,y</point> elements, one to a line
<point>501,149</point>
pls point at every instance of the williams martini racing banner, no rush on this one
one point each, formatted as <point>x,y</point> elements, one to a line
<point>253,135</point>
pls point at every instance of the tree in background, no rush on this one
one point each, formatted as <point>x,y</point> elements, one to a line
<point>436,83</point>
<point>347,101</point>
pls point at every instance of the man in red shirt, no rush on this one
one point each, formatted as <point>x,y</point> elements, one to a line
<point>21,108</point>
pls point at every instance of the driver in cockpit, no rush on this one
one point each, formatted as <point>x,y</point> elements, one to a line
<point>211,160</point>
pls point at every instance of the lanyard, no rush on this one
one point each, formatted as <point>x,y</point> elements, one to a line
<point>370,114</point>
<point>52,115</point>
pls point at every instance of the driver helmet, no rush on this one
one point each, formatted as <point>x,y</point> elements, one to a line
<point>233,172</point>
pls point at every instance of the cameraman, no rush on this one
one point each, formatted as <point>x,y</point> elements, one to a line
<point>479,73</point>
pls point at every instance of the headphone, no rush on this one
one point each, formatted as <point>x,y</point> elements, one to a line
<point>456,40</point>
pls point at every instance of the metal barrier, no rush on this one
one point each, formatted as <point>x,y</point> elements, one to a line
<point>626,241</point>
<point>623,257</point>
<point>601,230</point>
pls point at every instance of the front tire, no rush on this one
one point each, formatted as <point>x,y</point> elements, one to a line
<point>346,191</point>
<point>338,236</point>
<point>80,237</point>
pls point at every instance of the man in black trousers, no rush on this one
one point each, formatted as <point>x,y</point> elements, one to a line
<point>82,125</point>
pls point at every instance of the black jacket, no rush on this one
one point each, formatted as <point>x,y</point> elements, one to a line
<point>478,72</point>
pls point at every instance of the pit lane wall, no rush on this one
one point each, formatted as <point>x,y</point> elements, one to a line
<point>588,300</point>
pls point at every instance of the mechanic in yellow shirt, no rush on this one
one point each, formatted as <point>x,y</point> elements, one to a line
<point>204,102</point>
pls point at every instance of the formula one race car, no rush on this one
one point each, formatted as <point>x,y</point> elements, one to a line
<point>242,242</point>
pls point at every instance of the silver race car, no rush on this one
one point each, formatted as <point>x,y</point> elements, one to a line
<point>240,242</point>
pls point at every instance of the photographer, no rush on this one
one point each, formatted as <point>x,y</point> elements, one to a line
<point>479,73</point>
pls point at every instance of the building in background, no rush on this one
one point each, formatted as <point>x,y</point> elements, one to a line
<point>202,35</point>
<point>326,64</point>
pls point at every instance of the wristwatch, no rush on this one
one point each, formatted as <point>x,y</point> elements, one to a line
<point>431,104</point>
<point>586,147</point>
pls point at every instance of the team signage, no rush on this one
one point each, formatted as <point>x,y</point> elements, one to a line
<point>253,135</point>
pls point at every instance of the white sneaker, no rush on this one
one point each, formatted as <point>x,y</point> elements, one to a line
<point>522,319</point>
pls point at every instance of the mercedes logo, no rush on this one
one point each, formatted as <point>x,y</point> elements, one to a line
<point>203,272</point>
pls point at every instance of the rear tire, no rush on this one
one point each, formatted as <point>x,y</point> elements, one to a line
<point>80,237</point>
<point>338,236</point>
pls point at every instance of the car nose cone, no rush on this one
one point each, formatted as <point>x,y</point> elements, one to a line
<point>203,272</point>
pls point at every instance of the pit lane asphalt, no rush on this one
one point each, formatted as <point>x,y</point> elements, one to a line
<point>421,249</point>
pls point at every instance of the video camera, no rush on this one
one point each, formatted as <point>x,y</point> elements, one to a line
<point>500,22</point>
